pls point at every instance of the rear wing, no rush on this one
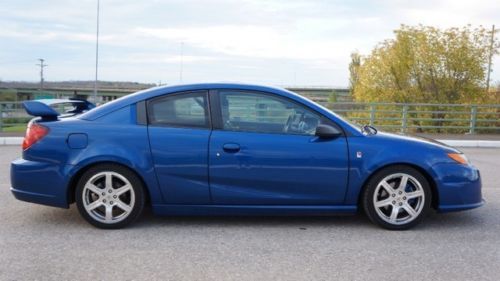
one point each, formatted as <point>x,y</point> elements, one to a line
<point>45,108</point>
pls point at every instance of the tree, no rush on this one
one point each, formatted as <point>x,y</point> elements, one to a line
<point>8,95</point>
<point>332,97</point>
<point>426,64</point>
<point>353,71</point>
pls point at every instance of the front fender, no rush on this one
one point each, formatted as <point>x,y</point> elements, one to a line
<point>369,154</point>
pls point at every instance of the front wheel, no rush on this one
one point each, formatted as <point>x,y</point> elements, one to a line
<point>109,196</point>
<point>397,197</point>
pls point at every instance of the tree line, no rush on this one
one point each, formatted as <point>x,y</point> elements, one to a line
<point>424,64</point>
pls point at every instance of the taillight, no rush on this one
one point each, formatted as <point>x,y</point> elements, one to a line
<point>34,133</point>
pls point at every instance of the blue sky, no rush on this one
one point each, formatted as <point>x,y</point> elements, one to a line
<point>278,42</point>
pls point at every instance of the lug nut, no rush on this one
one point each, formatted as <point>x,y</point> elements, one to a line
<point>110,191</point>
<point>404,197</point>
<point>110,202</point>
<point>400,204</point>
<point>394,195</point>
<point>393,202</point>
<point>104,200</point>
<point>104,193</point>
<point>114,196</point>
<point>401,192</point>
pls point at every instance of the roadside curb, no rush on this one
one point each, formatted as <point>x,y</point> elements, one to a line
<point>11,140</point>
<point>456,143</point>
<point>472,143</point>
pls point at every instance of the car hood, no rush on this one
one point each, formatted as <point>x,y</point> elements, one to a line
<point>417,140</point>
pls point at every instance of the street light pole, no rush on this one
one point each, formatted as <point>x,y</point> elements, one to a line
<point>96,54</point>
<point>181,70</point>
<point>490,58</point>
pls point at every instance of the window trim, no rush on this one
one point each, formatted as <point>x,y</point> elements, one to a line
<point>141,113</point>
<point>218,123</point>
<point>208,115</point>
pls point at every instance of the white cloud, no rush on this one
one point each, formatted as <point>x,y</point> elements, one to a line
<point>274,41</point>
<point>250,41</point>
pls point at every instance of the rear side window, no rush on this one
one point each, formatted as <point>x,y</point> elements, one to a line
<point>179,110</point>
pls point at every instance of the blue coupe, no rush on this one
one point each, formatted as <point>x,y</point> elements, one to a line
<point>232,149</point>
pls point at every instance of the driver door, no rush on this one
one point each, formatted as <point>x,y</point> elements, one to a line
<point>266,153</point>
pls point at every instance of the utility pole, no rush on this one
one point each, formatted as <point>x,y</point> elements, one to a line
<point>490,58</point>
<point>96,54</point>
<point>42,65</point>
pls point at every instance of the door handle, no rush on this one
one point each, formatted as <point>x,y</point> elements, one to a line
<point>231,147</point>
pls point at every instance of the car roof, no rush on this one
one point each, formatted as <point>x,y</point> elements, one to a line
<point>165,90</point>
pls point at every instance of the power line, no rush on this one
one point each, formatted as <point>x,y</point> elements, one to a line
<point>42,65</point>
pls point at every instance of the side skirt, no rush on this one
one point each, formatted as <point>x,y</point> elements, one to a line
<point>252,210</point>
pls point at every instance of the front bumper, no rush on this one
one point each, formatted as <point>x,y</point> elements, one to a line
<point>459,187</point>
<point>39,182</point>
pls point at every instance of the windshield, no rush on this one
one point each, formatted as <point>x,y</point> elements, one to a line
<point>352,123</point>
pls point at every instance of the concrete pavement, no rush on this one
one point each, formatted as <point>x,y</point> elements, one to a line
<point>44,243</point>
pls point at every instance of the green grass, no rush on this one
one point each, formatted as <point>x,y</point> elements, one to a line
<point>14,129</point>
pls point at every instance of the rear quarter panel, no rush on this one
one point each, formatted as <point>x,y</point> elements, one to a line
<point>114,137</point>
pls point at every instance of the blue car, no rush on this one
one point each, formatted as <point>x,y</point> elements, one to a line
<point>233,149</point>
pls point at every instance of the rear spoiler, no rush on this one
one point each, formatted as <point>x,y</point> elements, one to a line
<point>43,107</point>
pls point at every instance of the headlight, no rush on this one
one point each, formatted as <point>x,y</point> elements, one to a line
<point>459,158</point>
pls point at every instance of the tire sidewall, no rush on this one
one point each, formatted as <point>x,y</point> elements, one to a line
<point>372,184</point>
<point>137,188</point>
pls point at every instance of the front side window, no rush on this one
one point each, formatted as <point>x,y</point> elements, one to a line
<point>263,113</point>
<point>179,110</point>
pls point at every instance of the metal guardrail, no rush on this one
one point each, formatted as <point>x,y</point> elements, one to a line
<point>12,117</point>
<point>402,117</point>
<point>423,117</point>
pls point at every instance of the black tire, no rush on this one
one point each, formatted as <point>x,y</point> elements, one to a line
<point>377,216</point>
<point>136,204</point>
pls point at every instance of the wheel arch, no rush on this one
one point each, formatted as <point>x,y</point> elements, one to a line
<point>73,182</point>
<point>425,173</point>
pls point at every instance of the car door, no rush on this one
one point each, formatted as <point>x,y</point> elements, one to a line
<point>179,131</point>
<point>265,151</point>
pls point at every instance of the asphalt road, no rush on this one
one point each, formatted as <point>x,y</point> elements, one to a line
<point>45,243</point>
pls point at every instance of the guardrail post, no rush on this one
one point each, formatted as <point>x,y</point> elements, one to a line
<point>404,121</point>
<point>473,118</point>
<point>372,114</point>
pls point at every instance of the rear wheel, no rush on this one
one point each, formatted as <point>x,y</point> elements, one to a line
<point>109,196</point>
<point>397,197</point>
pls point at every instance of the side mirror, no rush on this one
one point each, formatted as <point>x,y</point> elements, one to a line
<point>327,132</point>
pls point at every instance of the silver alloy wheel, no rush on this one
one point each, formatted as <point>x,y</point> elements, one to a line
<point>108,197</point>
<point>399,199</point>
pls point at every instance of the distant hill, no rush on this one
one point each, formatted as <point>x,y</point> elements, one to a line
<point>76,85</point>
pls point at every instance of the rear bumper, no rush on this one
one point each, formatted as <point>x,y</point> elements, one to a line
<point>459,187</point>
<point>38,182</point>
